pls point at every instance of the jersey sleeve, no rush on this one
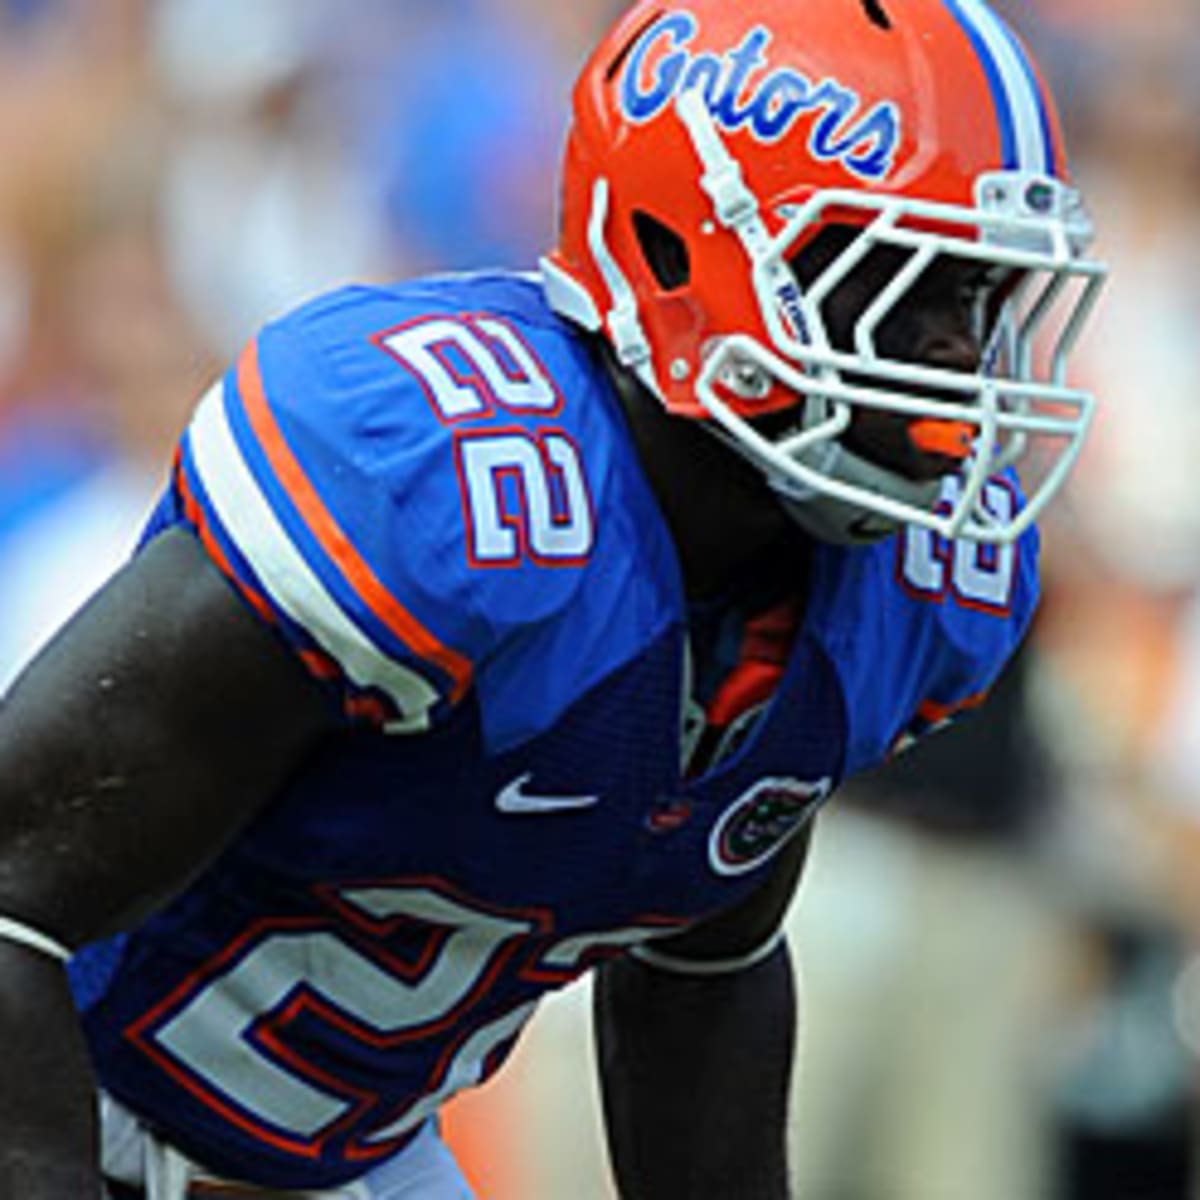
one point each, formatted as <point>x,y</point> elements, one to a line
<point>327,510</point>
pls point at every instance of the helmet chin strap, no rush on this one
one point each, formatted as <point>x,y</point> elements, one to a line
<point>843,522</point>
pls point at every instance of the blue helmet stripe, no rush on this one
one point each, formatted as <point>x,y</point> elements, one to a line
<point>1052,164</point>
<point>1024,122</point>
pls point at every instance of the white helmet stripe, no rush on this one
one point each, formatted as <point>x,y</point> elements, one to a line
<point>1020,107</point>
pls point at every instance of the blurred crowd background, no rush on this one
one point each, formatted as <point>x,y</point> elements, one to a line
<point>1000,935</point>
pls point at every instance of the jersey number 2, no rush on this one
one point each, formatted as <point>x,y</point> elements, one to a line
<point>525,494</point>
<point>235,1035</point>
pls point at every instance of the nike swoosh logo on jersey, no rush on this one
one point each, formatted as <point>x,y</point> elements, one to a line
<point>514,799</point>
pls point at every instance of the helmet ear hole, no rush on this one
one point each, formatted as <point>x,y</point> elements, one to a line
<point>665,252</point>
<point>877,14</point>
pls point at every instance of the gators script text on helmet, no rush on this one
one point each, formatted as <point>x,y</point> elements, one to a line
<point>712,142</point>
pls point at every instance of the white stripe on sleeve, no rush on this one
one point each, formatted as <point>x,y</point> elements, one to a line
<point>293,586</point>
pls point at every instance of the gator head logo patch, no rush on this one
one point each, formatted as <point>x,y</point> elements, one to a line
<point>761,820</point>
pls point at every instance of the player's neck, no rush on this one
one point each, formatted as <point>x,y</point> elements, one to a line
<point>726,525</point>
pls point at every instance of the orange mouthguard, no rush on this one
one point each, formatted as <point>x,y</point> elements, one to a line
<point>951,438</point>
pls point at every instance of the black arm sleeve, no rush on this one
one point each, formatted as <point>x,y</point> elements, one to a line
<point>132,750</point>
<point>695,1078</point>
<point>696,1069</point>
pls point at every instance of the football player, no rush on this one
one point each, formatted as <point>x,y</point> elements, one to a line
<point>497,628</point>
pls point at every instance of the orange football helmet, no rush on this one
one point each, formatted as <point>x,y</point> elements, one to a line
<point>713,142</point>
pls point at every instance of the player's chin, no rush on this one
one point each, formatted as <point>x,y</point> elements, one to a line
<point>923,466</point>
<point>883,439</point>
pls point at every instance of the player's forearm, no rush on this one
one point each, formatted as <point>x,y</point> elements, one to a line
<point>48,1140</point>
<point>696,1075</point>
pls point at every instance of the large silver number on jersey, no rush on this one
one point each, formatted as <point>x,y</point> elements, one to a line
<point>224,1039</point>
<point>526,499</point>
<point>979,576</point>
<point>467,366</point>
<point>525,494</point>
<point>209,1036</point>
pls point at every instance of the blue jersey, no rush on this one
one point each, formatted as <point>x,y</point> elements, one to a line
<point>429,492</point>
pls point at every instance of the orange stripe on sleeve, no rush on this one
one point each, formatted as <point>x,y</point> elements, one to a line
<point>329,534</point>
<point>933,712</point>
<point>367,708</point>
<point>320,664</point>
<point>199,521</point>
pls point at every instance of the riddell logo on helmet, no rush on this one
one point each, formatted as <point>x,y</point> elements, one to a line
<point>744,91</point>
